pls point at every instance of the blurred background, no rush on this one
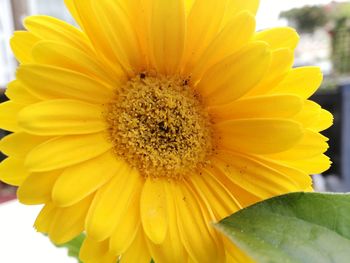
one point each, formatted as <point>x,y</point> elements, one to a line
<point>324,27</point>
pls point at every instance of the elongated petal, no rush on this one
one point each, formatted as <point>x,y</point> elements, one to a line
<point>64,56</point>
<point>236,6</point>
<point>111,202</point>
<point>193,228</point>
<point>22,44</point>
<point>154,211</point>
<point>19,144</point>
<point>86,177</point>
<point>62,84</point>
<point>69,222</point>
<point>168,34</point>
<point>309,113</point>
<point>314,165</point>
<point>281,63</point>
<point>87,16</point>
<point>49,28</point>
<point>172,248</point>
<point>203,24</point>
<point>269,106</point>
<point>303,81</point>
<point>18,93</point>
<point>236,75</point>
<point>232,37</point>
<point>93,251</point>
<point>221,200</point>
<point>279,37</point>
<point>127,228</point>
<point>65,151</point>
<point>119,32</point>
<point>310,145</point>
<point>45,218</point>
<point>275,135</point>
<point>12,171</point>
<point>299,176</point>
<point>36,188</point>
<point>138,251</point>
<point>8,115</point>
<point>254,176</point>
<point>61,117</point>
<point>323,122</point>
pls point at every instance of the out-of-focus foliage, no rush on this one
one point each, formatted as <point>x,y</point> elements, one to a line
<point>307,18</point>
<point>335,19</point>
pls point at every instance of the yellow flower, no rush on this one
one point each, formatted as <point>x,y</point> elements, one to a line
<point>154,120</point>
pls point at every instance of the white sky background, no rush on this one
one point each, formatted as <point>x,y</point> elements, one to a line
<point>270,9</point>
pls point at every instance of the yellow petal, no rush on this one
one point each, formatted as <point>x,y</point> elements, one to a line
<point>50,28</point>
<point>12,171</point>
<point>231,38</point>
<point>154,211</point>
<point>168,34</point>
<point>69,222</point>
<point>137,252</point>
<point>203,24</point>
<point>234,76</point>
<point>244,197</point>
<point>300,177</point>
<point>73,11</point>
<point>18,93</point>
<point>127,228</point>
<point>279,37</point>
<point>235,254</point>
<point>36,188</point>
<point>19,144</point>
<point>98,36</point>
<point>64,56</point>
<point>255,176</point>
<point>61,117</point>
<point>309,113</point>
<point>22,44</point>
<point>45,218</point>
<point>269,106</point>
<point>323,122</point>
<point>8,115</point>
<point>194,229</point>
<point>221,201</point>
<point>119,32</point>
<point>281,63</point>
<point>92,251</point>
<point>111,202</point>
<point>141,12</point>
<point>172,249</point>
<point>236,6</point>
<point>65,151</point>
<point>310,145</point>
<point>62,84</point>
<point>314,165</point>
<point>259,135</point>
<point>303,81</point>
<point>86,177</point>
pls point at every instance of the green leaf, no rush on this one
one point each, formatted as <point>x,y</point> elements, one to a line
<point>73,246</point>
<point>297,227</point>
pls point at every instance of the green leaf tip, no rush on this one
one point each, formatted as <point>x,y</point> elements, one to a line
<point>74,246</point>
<point>293,228</point>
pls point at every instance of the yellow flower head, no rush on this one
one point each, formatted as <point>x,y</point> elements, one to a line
<point>155,119</point>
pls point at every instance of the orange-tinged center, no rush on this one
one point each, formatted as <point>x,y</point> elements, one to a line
<point>158,125</point>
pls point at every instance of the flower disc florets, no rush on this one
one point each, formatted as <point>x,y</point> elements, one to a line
<point>158,124</point>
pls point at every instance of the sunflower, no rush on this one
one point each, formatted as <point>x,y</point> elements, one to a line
<point>155,119</point>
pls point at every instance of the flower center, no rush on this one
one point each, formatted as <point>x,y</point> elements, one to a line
<point>158,125</point>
